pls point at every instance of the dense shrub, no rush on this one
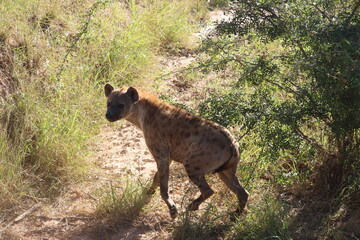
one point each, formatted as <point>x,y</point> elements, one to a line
<point>297,90</point>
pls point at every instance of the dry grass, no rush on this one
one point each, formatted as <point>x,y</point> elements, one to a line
<point>55,57</point>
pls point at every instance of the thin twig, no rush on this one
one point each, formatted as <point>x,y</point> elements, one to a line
<point>323,13</point>
<point>27,212</point>
<point>302,49</point>
<point>310,140</point>
<point>21,217</point>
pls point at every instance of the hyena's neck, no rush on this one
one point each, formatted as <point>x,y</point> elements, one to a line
<point>138,114</point>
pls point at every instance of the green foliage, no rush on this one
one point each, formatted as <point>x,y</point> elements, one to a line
<point>303,95</point>
<point>221,108</point>
<point>295,98</point>
<point>321,42</point>
<point>263,141</point>
<point>167,98</point>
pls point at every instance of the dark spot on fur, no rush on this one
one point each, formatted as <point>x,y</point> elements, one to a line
<point>193,121</point>
<point>218,142</point>
<point>197,155</point>
<point>197,169</point>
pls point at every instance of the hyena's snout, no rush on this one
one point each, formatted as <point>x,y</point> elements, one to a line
<point>112,115</point>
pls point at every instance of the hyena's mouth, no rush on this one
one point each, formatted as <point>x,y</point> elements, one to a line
<point>111,117</point>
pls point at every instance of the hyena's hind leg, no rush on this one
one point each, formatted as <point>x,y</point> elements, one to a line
<point>229,178</point>
<point>205,189</point>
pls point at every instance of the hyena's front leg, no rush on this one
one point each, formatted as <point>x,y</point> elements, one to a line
<point>161,155</point>
<point>155,184</point>
<point>163,171</point>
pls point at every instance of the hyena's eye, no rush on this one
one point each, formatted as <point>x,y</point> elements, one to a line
<point>121,105</point>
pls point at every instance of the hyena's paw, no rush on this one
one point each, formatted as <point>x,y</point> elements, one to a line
<point>238,214</point>
<point>173,212</point>
<point>193,206</point>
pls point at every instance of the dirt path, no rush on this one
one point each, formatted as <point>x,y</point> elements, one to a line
<point>119,150</point>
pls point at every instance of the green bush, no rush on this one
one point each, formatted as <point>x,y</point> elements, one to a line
<point>306,93</point>
<point>295,94</point>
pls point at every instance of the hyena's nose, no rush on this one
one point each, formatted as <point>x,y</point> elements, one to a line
<point>109,116</point>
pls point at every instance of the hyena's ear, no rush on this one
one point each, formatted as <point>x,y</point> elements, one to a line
<point>133,93</point>
<point>108,89</point>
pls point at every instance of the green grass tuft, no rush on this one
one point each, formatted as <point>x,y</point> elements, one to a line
<point>209,224</point>
<point>122,203</point>
<point>268,219</point>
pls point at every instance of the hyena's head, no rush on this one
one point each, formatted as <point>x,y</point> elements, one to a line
<point>119,102</point>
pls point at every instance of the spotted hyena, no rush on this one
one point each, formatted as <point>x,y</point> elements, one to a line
<point>173,134</point>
